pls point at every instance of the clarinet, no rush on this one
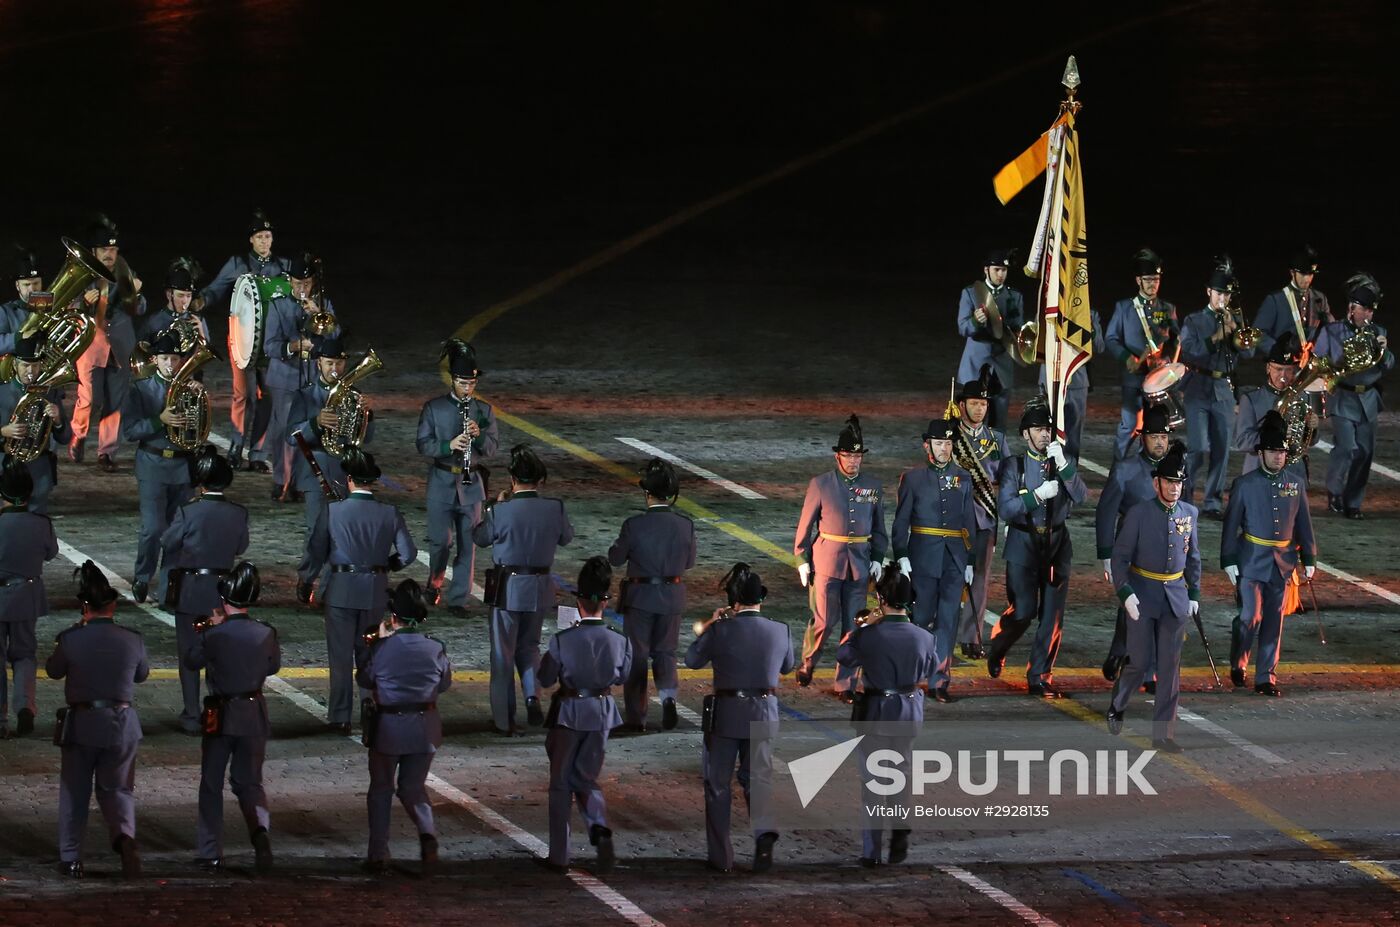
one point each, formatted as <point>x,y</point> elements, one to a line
<point>466,408</point>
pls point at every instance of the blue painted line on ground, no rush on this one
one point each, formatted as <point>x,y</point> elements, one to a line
<point>1115,899</point>
<point>802,716</point>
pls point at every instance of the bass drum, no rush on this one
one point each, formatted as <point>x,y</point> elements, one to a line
<point>247,316</point>
<point>1157,389</point>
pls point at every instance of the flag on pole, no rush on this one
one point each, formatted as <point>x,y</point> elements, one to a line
<point>1069,326</point>
<point>1029,164</point>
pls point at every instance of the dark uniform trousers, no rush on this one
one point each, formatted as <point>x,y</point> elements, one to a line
<point>971,615</point>
<point>1154,642</point>
<point>718,756</point>
<point>243,758</point>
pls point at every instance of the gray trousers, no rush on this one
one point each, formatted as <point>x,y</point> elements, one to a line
<point>1354,447</point>
<point>833,601</point>
<point>243,758</point>
<point>192,709</point>
<point>1127,419</point>
<point>1209,427</point>
<point>18,647</point>
<point>346,651</point>
<point>113,769</point>
<point>412,770</point>
<point>159,503</point>
<point>1261,615</point>
<point>575,762</point>
<point>1118,647</point>
<point>1032,600</point>
<point>984,544</point>
<point>654,638</point>
<point>717,758</point>
<point>277,450</point>
<point>310,569</point>
<point>448,525</point>
<point>1154,637</point>
<point>872,835</point>
<point>249,411</point>
<point>936,600</point>
<point>515,647</point>
<point>1076,407</point>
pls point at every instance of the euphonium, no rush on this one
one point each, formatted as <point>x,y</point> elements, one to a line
<point>67,331</point>
<point>186,327</point>
<point>32,410</point>
<point>349,407</point>
<point>1359,352</point>
<point>188,397</point>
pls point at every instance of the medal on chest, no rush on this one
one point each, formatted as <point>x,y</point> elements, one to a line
<point>865,496</point>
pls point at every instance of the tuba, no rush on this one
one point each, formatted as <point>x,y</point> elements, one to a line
<point>188,397</point>
<point>964,456</point>
<point>67,331</point>
<point>349,406</point>
<point>32,411</point>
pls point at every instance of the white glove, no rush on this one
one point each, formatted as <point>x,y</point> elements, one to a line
<point>1108,570</point>
<point>875,571</point>
<point>1047,490</point>
<point>1195,608</point>
<point>804,574</point>
<point>1131,607</point>
<point>1308,571</point>
<point>967,575</point>
<point>1234,573</point>
<point>1056,452</point>
<point>905,566</point>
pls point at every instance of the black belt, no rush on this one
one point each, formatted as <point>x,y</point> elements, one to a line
<point>1034,529</point>
<point>169,453</point>
<point>17,581</point>
<point>1359,388</point>
<point>523,570</point>
<point>254,694</point>
<point>1213,374</point>
<point>100,703</point>
<point>201,571</point>
<point>655,580</point>
<point>450,468</point>
<point>585,693</point>
<point>891,693</point>
<point>745,693</point>
<point>408,708</point>
<point>357,568</point>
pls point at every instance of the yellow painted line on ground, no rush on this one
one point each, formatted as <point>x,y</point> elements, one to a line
<point>1241,799</point>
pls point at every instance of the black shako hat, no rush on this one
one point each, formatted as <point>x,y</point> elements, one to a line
<point>659,479</point>
<point>259,223</point>
<point>1304,260</point>
<point>1146,263</point>
<point>1035,413</point>
<point>595,579</point>
<point>742,586</point>
<point>986,386</point>
<point>16,482</point>
<point>241,585</point>
<point>940,429</point>
<point>407,603</point>
<point>525,465</point>
<point>211,470</point>
<point>1286,350</point>
<point>26,264</point>
<point>30,348</point>
<point>1273,432</point>
<point>360,466</point>
<point>460,357</point>
<point>1172,466</point>
<point>1156,420</point>
<point>851,439</point>
<point>93,589</point>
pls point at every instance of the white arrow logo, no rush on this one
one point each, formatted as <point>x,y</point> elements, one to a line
<point>811,772</point>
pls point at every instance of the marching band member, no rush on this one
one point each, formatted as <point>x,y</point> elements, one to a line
<point>840,543</point>
<point>27,542</point>
<point>1267,527</point>
<point>15,312</point>
<point>985,344</point>
<point>1280,370</point>
<point>237,654</point>
<point>657,546</point>
<point>749,654</point>
<point>1297,308</point>
<point>180,280</point>
<point>933,522</point>
<point>1135,322</point>
<point>29,368</point>
<point>989,446</point>
<point>1156,568</point>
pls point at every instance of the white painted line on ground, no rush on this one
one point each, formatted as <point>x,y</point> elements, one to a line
<point>1027,914</point>
<point>1230,737</point>
<point>1375,467</point>
<point>713,477</point>
<point>1092,467</point>
<point>76,557</point>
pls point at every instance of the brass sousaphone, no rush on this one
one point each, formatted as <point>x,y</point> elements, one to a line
<point>67,331</point>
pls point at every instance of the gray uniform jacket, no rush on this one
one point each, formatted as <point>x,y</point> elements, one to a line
<point>27,542</point>
<point>281,330</point>
<point>1129,482</point>
<point>1125,335</point>
<point>590,657</point>
<point>218,290</point>
<point>892,655</point>
<point>41,468</point>
<point>440,422</point>
<point>1204,357</point>
<point>1272,509</point>
<point>157,322</point>
<point>934,497</point>
<point>1016,502</point>
<point>748,652</point>
<point>306,405</point>
<point>1157,540</point>
<point>141,423</point>
<point>100,660</point>
<point>837,508</point>
<point>658,543</point>
<point>239,655</point>
<point>525,531</point>
<point>1362,402</point>
<point>981,347</point>
<point>1255,403</point>
<point>990,447</point>
<point>1276,316</point>
<point>13,315</point>
<point>407,668</point>
<point>363,532</point>
<point>206,534</point>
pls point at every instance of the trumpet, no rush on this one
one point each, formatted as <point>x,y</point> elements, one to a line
<point>700,627</point>
<point>204,624</point>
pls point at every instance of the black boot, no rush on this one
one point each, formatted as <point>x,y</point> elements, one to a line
<point>601,837</point>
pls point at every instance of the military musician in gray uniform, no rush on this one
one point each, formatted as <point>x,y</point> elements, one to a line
<point>987,337</point>
<point>162,469</point>
<point>587,660</point>
<point>29,369</point>
<point>180,279</point>
<point>1280,370</point>
<point>749,654</point>
<point>1156,568</point>
<point>989,447</point>
<point>841,541</point>
<point>893,656</point>
<point>1037,490</point>
<point>362,539</point>
<point>1267,528</point>
<point>100,663</point>
<point>1140,335</point>
<point>657,546</point>
<point>524,531</point>
<point>15,312</point>
<point>1298,307</point>
<point>237,653</point>
<point>199,547</point>
<point>27,542</point>
<point>406,671</point>
<point>933,525</point>
<point>455,432</point>
<point>1356,405</point>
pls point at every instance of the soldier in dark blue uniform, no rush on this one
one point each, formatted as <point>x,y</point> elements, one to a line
<point>100,663</point>
<point>658,546</point>
<point>15,312</point>
<point>1037,550</point>
<point>1280,370</point>
<point>1267,527</point>
<point>237,653</point>
<point>586,660</point>
<point>840,543</point>
<point>893,655</point>
<point>1356,405</point>
<point>362,539</point>
<point>749,654</point>
<point>524,530</point>
<point>199,547</point>
<point>933,525</point>
<point>986,339</point>
<point>27,542</point>
<point>406,671</point>
<point>455,490</point>
<point>248,411</point>
<point>1157,572</point>
<point>162,469</point>
<point>1297,308</point>
<point>29,369</point>
<point>180,280</point>
<point>1134,322</point>
<point>989,447</point>
<point>1210,355</point>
